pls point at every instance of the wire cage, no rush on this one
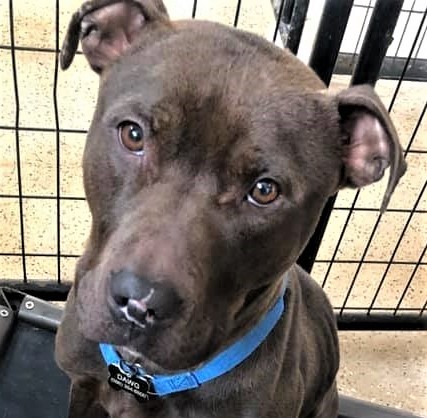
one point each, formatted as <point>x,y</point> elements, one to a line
<point>373,267</point>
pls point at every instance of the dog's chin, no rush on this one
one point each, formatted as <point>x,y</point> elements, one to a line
<point>160,349</point>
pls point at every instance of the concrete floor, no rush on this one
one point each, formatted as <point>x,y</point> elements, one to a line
<point>389,368</point>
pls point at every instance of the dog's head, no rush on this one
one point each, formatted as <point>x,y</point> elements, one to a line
<point>209,159</point>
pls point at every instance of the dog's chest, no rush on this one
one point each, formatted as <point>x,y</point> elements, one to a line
<point>123,405</point>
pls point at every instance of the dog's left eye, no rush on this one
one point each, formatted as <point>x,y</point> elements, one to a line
<point>132,136</point>
<point>264,192</point>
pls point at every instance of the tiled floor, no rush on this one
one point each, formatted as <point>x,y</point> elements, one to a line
<point>390,368</point>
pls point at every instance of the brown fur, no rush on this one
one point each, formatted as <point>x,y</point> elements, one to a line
<point>221,109</point>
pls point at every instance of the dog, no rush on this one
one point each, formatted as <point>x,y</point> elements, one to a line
<point>208,161</point>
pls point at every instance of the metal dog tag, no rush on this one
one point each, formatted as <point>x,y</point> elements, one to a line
<point>130,382</point>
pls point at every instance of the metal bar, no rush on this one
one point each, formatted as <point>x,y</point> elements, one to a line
<point>278,20</point>
<point>391,68</point>
<point>419,45</point>
<point>236,16</point>
<point>408,284</point>
<point>6,196</point>
<point>193,13</point>
<point>361,261</point>
<point>287,11</point>
<point>33,49</point>
<point>337,246</point>
<point>296,25</point>
<point>50,291</point>
<point>32,129</point>
<point>364,6</point>
<point>329,37</point>
<point>5,254</point>
<point>408,60</point>
<point>325,52</point>
<point>17,145</point>
<point>377,40</point>
<point>308,256</point>
<point>361,31</point>
<point>415,131</point>
<point>359,321</point>
<point>396,247</point>
<point>391,210</point>
<point>382,309</point>
<point>423,309</point>
<point>404,28</point>
<point>395,262</point>
<point>58,146</point>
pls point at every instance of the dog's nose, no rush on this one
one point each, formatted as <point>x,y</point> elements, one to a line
<point>140,300</point>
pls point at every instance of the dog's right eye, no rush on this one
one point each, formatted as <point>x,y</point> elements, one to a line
<point>132,137</point>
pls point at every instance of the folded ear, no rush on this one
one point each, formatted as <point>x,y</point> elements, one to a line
<point>107,28</point>
<point>371,142</point>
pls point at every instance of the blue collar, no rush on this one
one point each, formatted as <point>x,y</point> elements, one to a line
<point>122,373</point>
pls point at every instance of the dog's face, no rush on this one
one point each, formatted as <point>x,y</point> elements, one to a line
<point>209,159</point>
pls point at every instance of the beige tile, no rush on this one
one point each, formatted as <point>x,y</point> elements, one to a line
<point>10,232</point>
<point>71,153</point>
<point>38,163</point>
<point>411,183</point>
<point>4,26</point>
<point>389,368</point>
<point>395,283</point>
<point>414,240</point>
<point>7,102</point>
<point>386,236</point>
<point>180,9</point>
<point>40,226</point>
<point>220,11</point>
<point>75,226</point>
<point>356,235</point>
<point>367,281</point>
<point>8,171</point>
<point>257,17</point>
<point>34,26</point>
<point>35,78</point>
<point>420,141</point>
<point>11,268</point>
<point>68,266</point>
<point>77,91</point>
<point>332,234</point>
<point>416,295</point>
<point>41,269</point>
<point>337,281</point>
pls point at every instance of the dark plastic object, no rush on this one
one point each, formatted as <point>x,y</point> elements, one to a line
<point>32,386</point>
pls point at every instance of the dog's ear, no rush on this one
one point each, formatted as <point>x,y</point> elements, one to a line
<point>107,28</point>
<point>371,143</point>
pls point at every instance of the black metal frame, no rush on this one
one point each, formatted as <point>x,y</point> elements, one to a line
<point>365,67</point>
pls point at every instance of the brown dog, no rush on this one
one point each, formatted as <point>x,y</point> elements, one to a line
<point>209,159</point>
